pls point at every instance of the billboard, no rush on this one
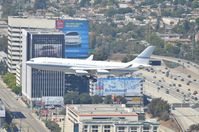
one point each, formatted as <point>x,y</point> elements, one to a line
<point>46,45</point>
<point>118,86</point>
<point>48,50</point>
<point>76,37</point>
<point>53,100</point>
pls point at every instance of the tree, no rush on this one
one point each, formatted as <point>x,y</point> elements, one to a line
<point>108,99</point>
<point>40,4</point>
<point>3,43</point>
<point>54,127</point>
<point>84,3</point>
<point>194,128</point>
<point>10,80</point>
<point>63,111</point>
<point>17,90</point>
<point>2,68</point>
<point>85,98</point>
<point>121,99</point>
<point>158,107</point>
<point>96,2</point>
<point>186,26</point>
<point>69,10</point>
<point>71,98</point>
<point>96,99</point>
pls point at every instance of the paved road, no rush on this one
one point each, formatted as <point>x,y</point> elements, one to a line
<point>29,123</point>
<point>151,90</point>
<point>193,67</point>
<point>186,117</point>
<point>167,83</point>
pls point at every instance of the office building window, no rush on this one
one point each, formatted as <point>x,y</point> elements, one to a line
<point>146,129</point>
<point>85,129</point>
<point>155,129</point>
<point>133,129</point>
<point>94,128</point>
<point>107,128</point>
<point>121,129</point>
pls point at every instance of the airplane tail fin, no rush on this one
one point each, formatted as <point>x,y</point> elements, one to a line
<point>143,58</point>
<point>90,57</point>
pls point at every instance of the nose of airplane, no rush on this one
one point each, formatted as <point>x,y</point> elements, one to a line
<point>30,62</point>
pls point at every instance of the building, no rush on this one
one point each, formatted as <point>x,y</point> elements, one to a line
<point>75,31</point>
<point>2,113</point>
<point>15,27</point>
<point>42,85</point>
<point>105,118</point>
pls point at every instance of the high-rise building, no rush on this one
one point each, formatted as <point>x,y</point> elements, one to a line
<point>42,84</point>
<point>15,26</point>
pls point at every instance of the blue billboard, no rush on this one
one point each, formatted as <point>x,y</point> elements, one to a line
<point>118,86</point>
<point>76,37</point>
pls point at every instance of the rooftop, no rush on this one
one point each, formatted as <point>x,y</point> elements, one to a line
<point>102,110</point>
<point>43,31</point>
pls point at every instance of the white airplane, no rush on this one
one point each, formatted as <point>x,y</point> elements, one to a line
<point>90,66</point>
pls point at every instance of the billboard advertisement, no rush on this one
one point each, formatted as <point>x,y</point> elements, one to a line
<point>76,37</point>
<point>118,86</point>
<point>48,50</point>
<point>50,100</point>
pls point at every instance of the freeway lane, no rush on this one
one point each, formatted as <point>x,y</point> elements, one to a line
<point>193,67</point>
<point>186,117</point>
<point>29,123</point>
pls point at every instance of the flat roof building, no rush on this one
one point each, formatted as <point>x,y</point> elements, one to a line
<point>15,27</point>
<point>105,118</point>
<point>42,84</point>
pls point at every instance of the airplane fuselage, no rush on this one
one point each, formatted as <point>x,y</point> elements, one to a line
<point>69,65</point>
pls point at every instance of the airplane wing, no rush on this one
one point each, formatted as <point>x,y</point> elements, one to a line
<point>84,70</point>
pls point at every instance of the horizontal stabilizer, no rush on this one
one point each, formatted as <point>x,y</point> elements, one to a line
<point>81,72</point>
<point>102,71</point>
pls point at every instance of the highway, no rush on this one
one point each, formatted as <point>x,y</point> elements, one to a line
<point>193,67</point>
<point>151,90</point>
<point>186,117</point>
<point>157,84</point>
<point>27,124</point>
<point>162,83</point>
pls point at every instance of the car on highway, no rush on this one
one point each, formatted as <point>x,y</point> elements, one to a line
<point>186,99</point>
<point>167,91</point>
<point>177,90</point>
<point>195,92</point>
